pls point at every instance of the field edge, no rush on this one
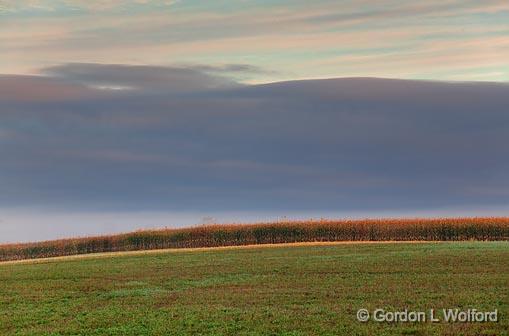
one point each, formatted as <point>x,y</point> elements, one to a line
<point>99,255</point>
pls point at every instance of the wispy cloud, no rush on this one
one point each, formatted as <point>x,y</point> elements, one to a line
<point>96,5</point>
<point>297,40</point>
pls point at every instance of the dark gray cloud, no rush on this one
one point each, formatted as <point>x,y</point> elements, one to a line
<point>184,139</point>
<point>153,79</point>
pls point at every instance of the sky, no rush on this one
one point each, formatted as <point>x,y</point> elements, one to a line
<point>121,115</point>
<point>288,40</point>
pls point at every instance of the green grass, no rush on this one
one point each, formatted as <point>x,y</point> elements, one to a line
<point>308,290</point>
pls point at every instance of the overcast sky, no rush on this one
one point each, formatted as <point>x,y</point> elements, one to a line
<point>121,115</point>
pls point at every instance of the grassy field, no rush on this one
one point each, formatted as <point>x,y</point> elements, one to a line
<point>297,290</point>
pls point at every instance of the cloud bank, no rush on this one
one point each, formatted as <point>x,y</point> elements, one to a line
<point>190,139</point>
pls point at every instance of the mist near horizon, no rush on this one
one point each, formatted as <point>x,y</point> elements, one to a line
<point>33,225</point>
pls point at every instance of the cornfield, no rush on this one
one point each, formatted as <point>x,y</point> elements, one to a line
<point>438,229</point>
